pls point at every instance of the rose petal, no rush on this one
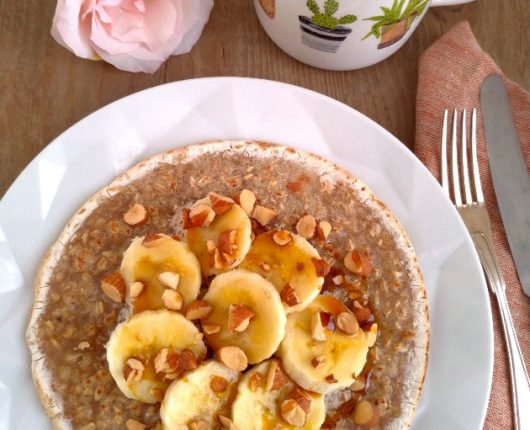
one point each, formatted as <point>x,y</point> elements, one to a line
<point>201,11</point>
<point>69,30</point>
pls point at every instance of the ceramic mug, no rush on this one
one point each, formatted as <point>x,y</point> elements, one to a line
<point>342,34</point>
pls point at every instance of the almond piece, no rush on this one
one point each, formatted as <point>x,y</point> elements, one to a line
<point>226,423</point>
<point>187,360</point>
<point>198,425</point>
<point>364,315</point>
<point>83,345</point>
<point>347,323</point>
<point>292,413</point>
<point>263,215</point>
<point>233,357</point>
<point>282,238</point>
<point>201,215</point>
<point>303,398</point>
<point>276,379</point>
<point>220,204</point>
<point>169,279</point>
<point>137,214</point>
<point>358,262</point>
<point>323,230</point>
<point>198,310</point>
<point>133,370</point>
<point>113,286</point>
<point>161,361</point>
<point>151,240</point>
<point>327,321</point>
<point>226,241</point>
<point>218,384</point>
<point>211,328</point>
<point>364,412</point>
<point>306,226</point>
<point>136,289</point>
<point>134,425</point>
<point>289,295</point>
<point>172,300</point>
<point>186,224</point>
<point>321,267</point>
<point>358,384</point>
<point>338,280</point>
<point>217,259</point>
<point>246,200</point>
<point>211,246</point>
<point>318,361</point>
<point>371,335</point>
<point>317,329</point>
<point>330,379</point>
<point>239,317</point>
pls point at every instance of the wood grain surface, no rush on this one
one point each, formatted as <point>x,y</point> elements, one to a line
<point>44,88</point>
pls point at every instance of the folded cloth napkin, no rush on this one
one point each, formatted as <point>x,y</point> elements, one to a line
<point>450,73</point>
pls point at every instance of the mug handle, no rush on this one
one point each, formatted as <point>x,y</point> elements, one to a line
<point>449,2</point>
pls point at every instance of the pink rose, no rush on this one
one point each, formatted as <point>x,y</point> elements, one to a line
<point>132,35</point>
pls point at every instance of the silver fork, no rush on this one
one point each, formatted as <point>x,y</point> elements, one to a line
<point>470,206</point>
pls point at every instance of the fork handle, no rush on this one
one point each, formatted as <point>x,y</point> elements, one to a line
<point>519,376</point>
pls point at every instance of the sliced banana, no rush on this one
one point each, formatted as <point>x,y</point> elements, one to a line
<point>247,313</point>
<point>220,238</point>
<point>258,406</point>
<point>155,263</point>
<point>149,350</point>
<point>199,397</point>
<point>316,354</point>
<point>290,263</point>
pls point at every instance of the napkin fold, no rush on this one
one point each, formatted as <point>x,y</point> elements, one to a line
<point>451,72</point>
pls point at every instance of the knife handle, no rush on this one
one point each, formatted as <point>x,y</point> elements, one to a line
<point>519,376</point>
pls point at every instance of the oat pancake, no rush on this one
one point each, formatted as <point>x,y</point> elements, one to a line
<point>72,319</point>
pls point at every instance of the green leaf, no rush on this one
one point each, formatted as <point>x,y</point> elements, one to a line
<point>347,19</point>
<point>313,6</point>
<point>330,7</point>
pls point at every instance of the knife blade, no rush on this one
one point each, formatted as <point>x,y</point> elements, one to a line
<point>508,170</point>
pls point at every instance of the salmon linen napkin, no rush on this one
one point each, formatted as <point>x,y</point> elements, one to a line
<point>450,73</point>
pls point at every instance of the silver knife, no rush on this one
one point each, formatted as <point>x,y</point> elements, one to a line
<point>508,170</point>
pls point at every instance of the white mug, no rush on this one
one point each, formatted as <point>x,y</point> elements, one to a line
<point>342,34</point>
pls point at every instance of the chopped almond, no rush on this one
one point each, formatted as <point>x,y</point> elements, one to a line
<point>321,267</point>
<point>246,200</point>
<point>201,215</point>
<point>220,204</point>
<point>217,259</point>
<point>289,295</point>
<point>226,241</point>
<point>263,215</point>
<point>276,379</point>
<point>292,413</point>
<point>306,226</point>
<point>318,361</point>
<point>198,425</point>
<point>218,384</point>
<point>358,262</point>
<point>134,425</point>
<point>211,246</point>
<point>211,328</point>
<point>161,361</point>
<point>239,317</point>
<point>327,321</point>
<point>323,230</point>
<point>198,310</point>
<point>113,286</point>
<point>364,315</point>
<point>233,357</point>
<point>135,369</point>
<point>347,323</point>
<point>187,360</point>
<point>227,423</point>
<point>172,300</point>
<point>358,384</point>
<point>151,240</point>
<point>302,397</point>
<point>330,379</point>
<point>371,335</point>
<point>136,215</point>
<point>136,289</point>
<point>169,279</point>
<point>282,238</point>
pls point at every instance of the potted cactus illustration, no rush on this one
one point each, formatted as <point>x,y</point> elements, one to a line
<point>395,21</point>
<point>323,30</point>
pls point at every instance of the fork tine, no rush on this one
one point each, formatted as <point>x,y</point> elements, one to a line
<point>445,179</point>
<point>474,159</point>
<point>468,199</point>
<point>454,160</point>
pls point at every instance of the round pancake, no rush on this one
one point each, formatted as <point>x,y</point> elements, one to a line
<point>72,319</point>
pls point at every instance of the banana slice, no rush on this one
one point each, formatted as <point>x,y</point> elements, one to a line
<point>155,263</point>
<point>317,354</point>
<point>199,397</point>
<point>266,400</point>
<point>218,231</point>
<point>291,264</point>
<point>151,349</point>
<point>247,313</point>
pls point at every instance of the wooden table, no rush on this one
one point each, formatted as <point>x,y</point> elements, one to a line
<point>44,89</point>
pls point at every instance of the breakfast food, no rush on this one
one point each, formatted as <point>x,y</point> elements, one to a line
<point>277,292</point>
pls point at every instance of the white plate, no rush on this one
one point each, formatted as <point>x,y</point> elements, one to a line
<point>91,153</point>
